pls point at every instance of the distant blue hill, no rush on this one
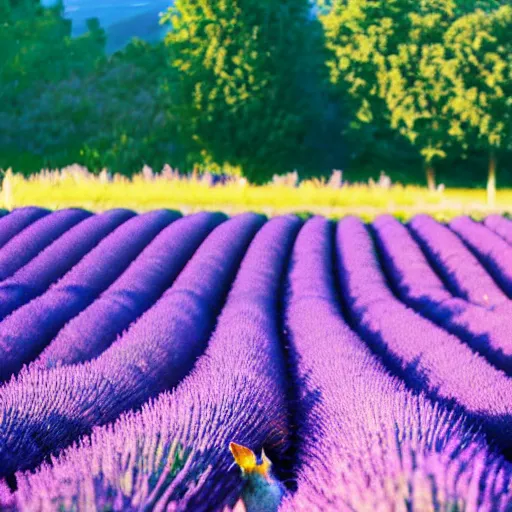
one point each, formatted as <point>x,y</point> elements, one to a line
<point>121,19</point>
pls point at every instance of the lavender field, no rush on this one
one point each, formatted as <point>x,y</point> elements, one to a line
<point>167,362</point>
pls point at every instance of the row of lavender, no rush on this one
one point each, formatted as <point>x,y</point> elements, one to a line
<point>408,407</point>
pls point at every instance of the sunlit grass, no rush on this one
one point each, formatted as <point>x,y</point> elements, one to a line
<point>77,188</point>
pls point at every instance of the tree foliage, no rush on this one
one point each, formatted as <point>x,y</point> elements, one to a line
<point>244,70</point>
<point>119,117</point>
<point>480,46</point>
<point>37,47</point>
<point>261,88</point>
<point>64,101</point>
<point>396,61</point>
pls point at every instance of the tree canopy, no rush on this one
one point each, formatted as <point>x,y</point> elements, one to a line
<point>262,88</point>
<point>480,46</point>
<point>244,68</point>
<point>437,72</point>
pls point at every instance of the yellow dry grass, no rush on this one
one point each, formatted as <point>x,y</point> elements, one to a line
<point>60,190</point>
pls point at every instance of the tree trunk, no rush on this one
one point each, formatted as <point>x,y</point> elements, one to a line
<point>491,180</point>
<point>431,177</point>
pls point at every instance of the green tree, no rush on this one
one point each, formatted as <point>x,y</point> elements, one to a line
<point>417,84</point>
<point>243,74</point>
<point>37,56</point>
<point>481,46</point>
<point>37,47</point>
<point>130,119</point>
<point>11,8</point>
<point>389,56</point>
<point>352,37</point>
<point>118,116</point>
<point>470,6</point>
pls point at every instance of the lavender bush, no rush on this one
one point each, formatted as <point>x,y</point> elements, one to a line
<point>17,220</point>
<point>42,411</point>
<point>150,274</point>
<point>493,252</point>
<point>53,262</point>
<point>501,226</point>
<point>416,284</point>
<point>33,239</point>
<point>424,355</point>
<point>365,442</point>
<point>460,270</point>
<point>365,362</point>
<point>25,332</point>
<point>236,392</point>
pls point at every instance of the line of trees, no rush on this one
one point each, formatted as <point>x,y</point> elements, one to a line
<point>438,72</point>
<point>259,87</point>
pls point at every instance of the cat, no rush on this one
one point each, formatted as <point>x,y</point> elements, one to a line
<point>263,491</point>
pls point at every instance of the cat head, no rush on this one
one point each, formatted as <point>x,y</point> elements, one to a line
<point>248,463</point>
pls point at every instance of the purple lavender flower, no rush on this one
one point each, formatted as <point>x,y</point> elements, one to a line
<point>365,438</point>
<point>14,222</point>
<point>461,271</point>
<point>501,226</point>
<point>25,332</point>
<point>95,328</point>
<point>7,499</point>
<point>426,356</point>
<point>176,449</point>
<point>54,261</point>
<point>33,239</point>
<point>42,411</point>
<point>416,283</point>
<point>364,441</point>
<point>494,252</point>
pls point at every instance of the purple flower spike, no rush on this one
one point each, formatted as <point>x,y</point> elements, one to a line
<point>365,441</point>
<point>33,239</point>
<point>7,499</point>
<point>12,223</point>
<point>26,332</point>
<point>42,411</point>
<point>461,271</point>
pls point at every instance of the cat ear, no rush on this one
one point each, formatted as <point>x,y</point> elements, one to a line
<point>243,456</point>
<point>264,468</point>
<point>265,461</point>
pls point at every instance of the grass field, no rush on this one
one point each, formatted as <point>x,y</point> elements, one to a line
<point>74,187</point>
